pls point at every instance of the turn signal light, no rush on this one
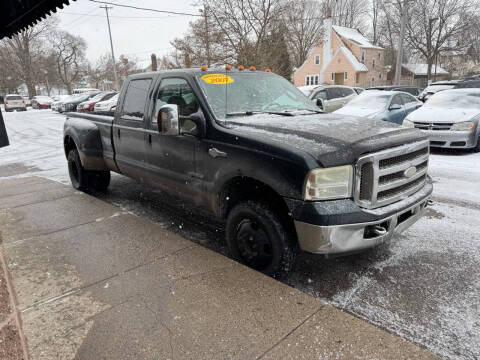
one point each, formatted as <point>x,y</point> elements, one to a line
<point>253,68</point>
<point>241,67</point>
<point>204,68</point>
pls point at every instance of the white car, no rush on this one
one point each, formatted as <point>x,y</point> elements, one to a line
<point>14,102</point>
<point>106,107</point>
<point>57,101</point>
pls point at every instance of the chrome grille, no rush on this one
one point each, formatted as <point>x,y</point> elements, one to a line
<point>381,177</point>
<point>433,126</point>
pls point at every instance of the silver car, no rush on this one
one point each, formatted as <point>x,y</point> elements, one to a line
<point>14,102</point>
<point>451,118</point>
<point>332,97</point>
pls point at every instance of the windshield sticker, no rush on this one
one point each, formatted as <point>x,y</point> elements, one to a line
<point>217,79</point>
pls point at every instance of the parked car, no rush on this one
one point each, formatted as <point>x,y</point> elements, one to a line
<point>71,103</point>
<point>413,90</point>
<point>106,107</point>
<point>332,97</point>
<point>467,84</point>
<point>14,102</point>
<point>282,174</point>
<point>358,90</point>
<point>307,89</point>
<point>85,91</point>
<point>436,87</point>
<point>57,100</point>
<point>88,106</point>
<point>450,118</point>
<point>392,106</point>
<point>28,102</point>
<point>41,102</point>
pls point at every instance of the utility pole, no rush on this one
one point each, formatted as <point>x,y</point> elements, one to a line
<point>207,35</point>
<point>398,68</point>
<point>111,46</point>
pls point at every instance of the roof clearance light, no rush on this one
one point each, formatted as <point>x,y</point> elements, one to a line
<point>241,67</point>
<point>204,68</point>
<point>268,70</point>
<point>253,68</point>
<point>228,67</point>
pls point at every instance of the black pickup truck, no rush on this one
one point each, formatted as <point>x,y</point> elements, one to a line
<point>255,151</point>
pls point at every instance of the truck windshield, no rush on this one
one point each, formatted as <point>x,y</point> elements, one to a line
<point>239,93</point>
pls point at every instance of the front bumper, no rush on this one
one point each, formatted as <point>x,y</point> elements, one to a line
<point>344,238</point>
<point>452,139</point>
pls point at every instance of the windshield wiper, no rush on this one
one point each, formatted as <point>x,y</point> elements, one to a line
<point>254,112</point>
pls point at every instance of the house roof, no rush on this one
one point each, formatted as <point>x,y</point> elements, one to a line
<point>421,69</point>
<point>357,65</point>
<point>355,36</point>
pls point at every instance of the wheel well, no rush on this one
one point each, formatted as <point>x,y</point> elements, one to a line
<point>242,188</point>
<point>68,145</point>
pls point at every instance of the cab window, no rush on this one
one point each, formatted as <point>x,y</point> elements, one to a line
<point>135,99</point>
<point>397,100</point>
<point>320,95</point>
<point>177,91</point>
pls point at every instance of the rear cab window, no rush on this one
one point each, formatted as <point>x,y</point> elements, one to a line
<point>135,99</point>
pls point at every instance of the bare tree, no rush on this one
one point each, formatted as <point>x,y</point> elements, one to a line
<point>69,53</point>
<point>433,25</point>
<point>303,21</point>
<point>349,13</point>
<point>22,52</point>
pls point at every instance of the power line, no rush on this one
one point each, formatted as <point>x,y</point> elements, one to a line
<point>147,9</point>
<point>124,17</point>
<point>81,17</point>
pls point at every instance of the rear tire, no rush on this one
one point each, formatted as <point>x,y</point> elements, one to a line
<point>84,180</point>
<point>257,238</point>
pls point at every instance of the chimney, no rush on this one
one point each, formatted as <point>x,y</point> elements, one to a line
<point>327,46</point>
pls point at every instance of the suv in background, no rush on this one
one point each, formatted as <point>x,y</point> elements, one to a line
<point>413,90</point>
<point>332,97</point>
<point>14,102</point>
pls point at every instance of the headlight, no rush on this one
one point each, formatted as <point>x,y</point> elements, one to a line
<point>463,126</point>
<point>408,124</point>
<point>329,183</point>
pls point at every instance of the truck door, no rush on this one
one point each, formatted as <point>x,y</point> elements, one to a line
<point>170,160</point>
<point>129,129</point>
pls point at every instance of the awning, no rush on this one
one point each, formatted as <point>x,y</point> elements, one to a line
<point>17,15</point>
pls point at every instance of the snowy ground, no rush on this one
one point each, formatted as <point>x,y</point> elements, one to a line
<point>425,286</point>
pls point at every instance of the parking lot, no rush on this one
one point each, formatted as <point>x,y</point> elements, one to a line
<point>423,286</point>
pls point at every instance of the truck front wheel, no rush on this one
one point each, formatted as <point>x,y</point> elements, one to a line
<point>257,238</point>
<point>84,180</point>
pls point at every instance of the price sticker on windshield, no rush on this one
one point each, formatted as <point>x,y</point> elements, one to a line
<point>217,79</point>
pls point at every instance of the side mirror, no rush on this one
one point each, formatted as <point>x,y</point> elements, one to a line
<point>395,107</point>
<point>168,122</point>
<point>319,103</point>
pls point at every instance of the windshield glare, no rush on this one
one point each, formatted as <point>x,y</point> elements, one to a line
<point>370,100</point>
<point>452,99</point>
<point>252,92</point>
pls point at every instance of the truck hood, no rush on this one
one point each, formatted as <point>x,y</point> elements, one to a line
<point>332,139</point>
<point>428,114</point>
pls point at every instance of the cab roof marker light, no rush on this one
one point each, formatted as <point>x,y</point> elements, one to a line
<point>204,68</point>
<point>253,68</point>
<point>228,67</point>
<point>268,70</point>
<point>241,67</point>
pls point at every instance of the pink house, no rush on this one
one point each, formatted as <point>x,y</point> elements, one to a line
<point>344,57</point>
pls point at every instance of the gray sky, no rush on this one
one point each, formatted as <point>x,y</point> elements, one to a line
<point>136,33</point>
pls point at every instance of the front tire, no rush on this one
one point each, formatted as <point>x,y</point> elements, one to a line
<point>477,148</point>
<point>257,238</point>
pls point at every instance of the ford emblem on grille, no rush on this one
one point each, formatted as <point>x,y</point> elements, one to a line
<point>411,171</point>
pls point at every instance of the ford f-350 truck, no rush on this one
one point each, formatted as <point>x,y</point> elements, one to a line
<point>255,151</point>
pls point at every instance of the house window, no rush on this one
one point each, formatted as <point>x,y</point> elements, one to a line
<point>333,77</point>
<point>373,79</point>
<point>311,80</point>
<point>380,76</point>
<point>373,64</point>
<point>379,56</point>
<point>345,77</point>
<point>317,59</point>
<point>363,56</point>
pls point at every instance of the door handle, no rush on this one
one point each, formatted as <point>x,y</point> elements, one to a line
<point>118,131</point>
<point>149,138</point>
<point>216,153</point>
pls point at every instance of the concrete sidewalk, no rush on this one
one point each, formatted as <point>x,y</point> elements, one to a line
<point>94,282</point>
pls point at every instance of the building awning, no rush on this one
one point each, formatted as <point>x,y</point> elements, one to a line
<point>17,15</point>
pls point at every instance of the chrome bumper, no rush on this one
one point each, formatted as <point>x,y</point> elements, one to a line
<point>339,239</point>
